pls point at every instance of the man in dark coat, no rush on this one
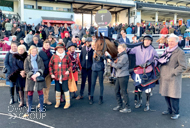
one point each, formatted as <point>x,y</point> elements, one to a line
<point>86,60</point>
<point>23,43</point>
<point>181,42</point>
<point>36,42</point>
<point>110,31</point>
<point>48,29</point>
<point>66,39</point>
<point>3,33</point>
<point>139,30</point>
<point>19,34</point>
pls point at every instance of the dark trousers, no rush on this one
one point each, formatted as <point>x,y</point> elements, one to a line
<point>59,87</point>
<point>96,74</point>
<point>85,73</point>
<point>173,104</point>
<point>121,85</point>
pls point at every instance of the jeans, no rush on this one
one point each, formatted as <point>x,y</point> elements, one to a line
<point>121,85</point>
<point>85,73</point>
<point>59,87</point>
<point>96,74</point>
<point>173,104</point>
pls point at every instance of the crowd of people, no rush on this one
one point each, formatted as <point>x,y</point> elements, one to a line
<point>42,53</point>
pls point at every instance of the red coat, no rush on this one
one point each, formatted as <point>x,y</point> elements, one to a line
<point>75,74</point>
<point>5,47</point>
<point>164,31</point>
<point>63,34</point>
<point>54,68</point>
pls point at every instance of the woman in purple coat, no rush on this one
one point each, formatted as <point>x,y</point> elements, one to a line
<point>143,53</point>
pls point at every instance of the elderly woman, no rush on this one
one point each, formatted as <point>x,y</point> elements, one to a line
<point>8,62</point>
<point>74,57</point>
<point>59,68</point>
<point>122,74</point>
<point>46,55</point>
<point>82,44</point>
<point>34,69</point>
<point>173,64</point>
<point>19,74</point>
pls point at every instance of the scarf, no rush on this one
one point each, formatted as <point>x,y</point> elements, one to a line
<point>88,49</point>
<point>34,63</point>
<point>165,58</point>
<point>47,52</point>
<point>13,52</point>
<point>62,55</point>
<point>74,60</point>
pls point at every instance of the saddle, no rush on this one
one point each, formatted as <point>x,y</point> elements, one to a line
<point>144,68</point>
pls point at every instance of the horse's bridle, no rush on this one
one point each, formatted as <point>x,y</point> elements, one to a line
<point>103,50</point>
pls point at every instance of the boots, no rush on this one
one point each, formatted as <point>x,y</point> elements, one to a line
<point>41,99</point>
<point>91,101</point>
<point>67,99</point>
<point>74,95</point>
<point>62,100</point>
<point>58,96</point>
<point>100,100</point>
<point>11,95</point>
<point>29,103</point>
<point>139,104</point>
<point>17,94</point>
<point>147,108</point>
<point>26,95</point>
<point>46,95</point>
<point>21,94</point>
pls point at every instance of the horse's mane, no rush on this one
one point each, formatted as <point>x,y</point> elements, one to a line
<point>111,40</point>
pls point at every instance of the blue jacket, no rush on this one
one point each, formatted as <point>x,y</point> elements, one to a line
<point>122,41</point>
<point>129,30</point>
<point>98,65</point>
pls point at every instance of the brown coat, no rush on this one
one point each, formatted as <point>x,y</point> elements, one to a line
<point>28,69</point>
<point>162,41</point>
<point>170,75</point>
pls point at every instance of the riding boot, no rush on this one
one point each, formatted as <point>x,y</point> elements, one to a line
<point>135,98</point>
<point>139,104</point>
<point>11,95</point>
<point>91,101</point>
<point>100,100</point>
<point>67,100</point>
<point>29,103</point>
<point>21,94</point>
<point>147,108</point>
<point>26,95</point>
<point>17,94</point>
<point>41,99</point>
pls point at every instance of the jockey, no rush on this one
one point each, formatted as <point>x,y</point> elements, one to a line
<point>144,53</point>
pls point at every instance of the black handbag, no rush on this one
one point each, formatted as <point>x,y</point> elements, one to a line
<point>4,70</point>
<point>40,79</point>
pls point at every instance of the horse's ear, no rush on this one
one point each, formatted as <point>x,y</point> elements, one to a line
<point>101,36</point>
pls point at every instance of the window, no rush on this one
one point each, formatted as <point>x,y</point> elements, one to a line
<point>45,8</point>
<point>6,6</point>
<point>29,6</point>
<point>63,9</point>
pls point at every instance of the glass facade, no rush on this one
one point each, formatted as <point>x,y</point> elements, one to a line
<point>28,6</point>
<point>45,8</point>
<point>6,6</point>
<point>63,9</point>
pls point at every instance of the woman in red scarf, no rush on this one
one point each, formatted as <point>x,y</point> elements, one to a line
<point>75,61</point>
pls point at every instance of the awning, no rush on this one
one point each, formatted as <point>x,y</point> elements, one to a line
<point>57,20</point>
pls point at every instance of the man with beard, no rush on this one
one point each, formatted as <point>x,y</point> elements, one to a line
<point>19,34</point>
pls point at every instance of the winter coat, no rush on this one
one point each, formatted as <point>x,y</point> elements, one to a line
<point>54,68</point>
<point>66,40</point>
<point>2,34</point>
<point>110,32</point>
<point>86,64</point>
<point>98,65</point>
<point>56,32</point>
<point>129,30</point>
<point>46,60</point>
<point>122,65</point>
<point>29,72</point>
<point>171,75</point>
<point>8,26</point>
<point>171,30</point>
<point>81,33</point>
<point>25,44</point>
<point>182,29</point>
<point>5,47</point>
<point>39,44</point>
<point>8,62</point>
<point>13,30</point>
<point>164,31</point>
<point>19,34</point>
<point>29,38</point>
<point>75,32</point>
<point>18,65</point>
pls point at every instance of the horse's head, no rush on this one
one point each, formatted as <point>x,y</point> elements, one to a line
<point>100,46</point>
